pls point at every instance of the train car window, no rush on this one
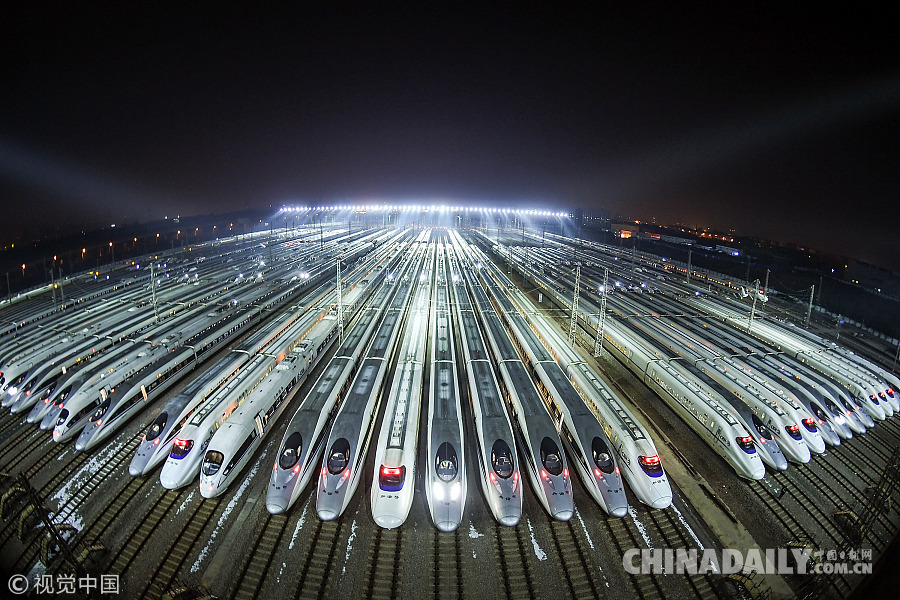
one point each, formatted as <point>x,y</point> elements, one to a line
<point>240,453</point>
<point>601,455</point>
<point>338,456</point>
<point>501,459</point>
<point>551,457</point>
<point>181,448</point>
<point>157,426</point>
<point>212,462</point>
<point>446,462</point>
<point>291,451</point>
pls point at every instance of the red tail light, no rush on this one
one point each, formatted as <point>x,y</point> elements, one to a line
<point>180,443</point>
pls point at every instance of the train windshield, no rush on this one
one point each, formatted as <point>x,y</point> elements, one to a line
<point>762,429</point>
<point>212,462</point>
<point>601,455</point>
<point>339,456</point>
<point>291,451</point>
<point>181,448</point>
<point>156,427</point>
<point>746,444</point>
<point>390,479</point>
<point>551,457</point>
<point>64,394</point>
<point>63,415</point>
<point>651,465</point>
<point>446,462</point>
<point>501,459</point>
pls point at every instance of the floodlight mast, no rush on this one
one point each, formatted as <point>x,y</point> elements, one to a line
<point>573,322</point>
<point>340,304</point>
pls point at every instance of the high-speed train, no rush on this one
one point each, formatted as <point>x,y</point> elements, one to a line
<point>445,468</point>
<point>780,418</point>
<point>147,384</point>
<point>535,431</point>
<point>392,489</point>
<point>157,442</point>
<point>715,425</point>
<point>300,454</point>
<point>581,433</point>
<point>165,429</point>
<point>236,441</point>
<point>352,428</point>
<point>498,462</point>
<point>638,458</point>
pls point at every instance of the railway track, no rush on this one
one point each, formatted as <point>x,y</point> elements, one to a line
<point>253,574</point>
<point>646,586</point>
<point>185,542</point>
<point>510,552</point>
<point>145,528</point>
<point>797,531</point>
<point>14,449</point>
<point>676,536</point>
<point>448,580</point>
<point>573,555</point>
<point>383,574</point>
<point>318,559</point>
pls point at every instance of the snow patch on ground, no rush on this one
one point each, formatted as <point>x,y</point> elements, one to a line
<point>584,527</point>
<point>640,526</point>
<point>246,483</point>
<point>186,501</point>
<point>473,533</point>
<point>299,524</point>
<point>541,555</point>
<point>349,546</point>
<point>77,481</point>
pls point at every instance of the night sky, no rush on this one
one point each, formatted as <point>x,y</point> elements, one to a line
<point>779,124</point>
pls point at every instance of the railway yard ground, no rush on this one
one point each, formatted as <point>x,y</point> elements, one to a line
<point>176,544</point>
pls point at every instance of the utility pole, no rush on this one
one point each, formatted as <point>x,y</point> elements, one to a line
<point>53,286</point>
<point>688,274</point>
<point>812,291</point>
<point>753,308</point>
<point>601,318</point>
<point>573,322</point>
<point>62,291</point>
<point>153,292</point>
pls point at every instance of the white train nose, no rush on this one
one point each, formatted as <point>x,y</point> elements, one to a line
<point>276,507</point>
<point>327,514</point>
<point>388,521</point>
<point>661,502</point>
<point>447,526</point>
<point>563,514</point>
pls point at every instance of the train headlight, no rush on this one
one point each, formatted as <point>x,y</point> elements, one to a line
<point>13,390</point>
<point>455,491</point>
<point>437,489</point>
